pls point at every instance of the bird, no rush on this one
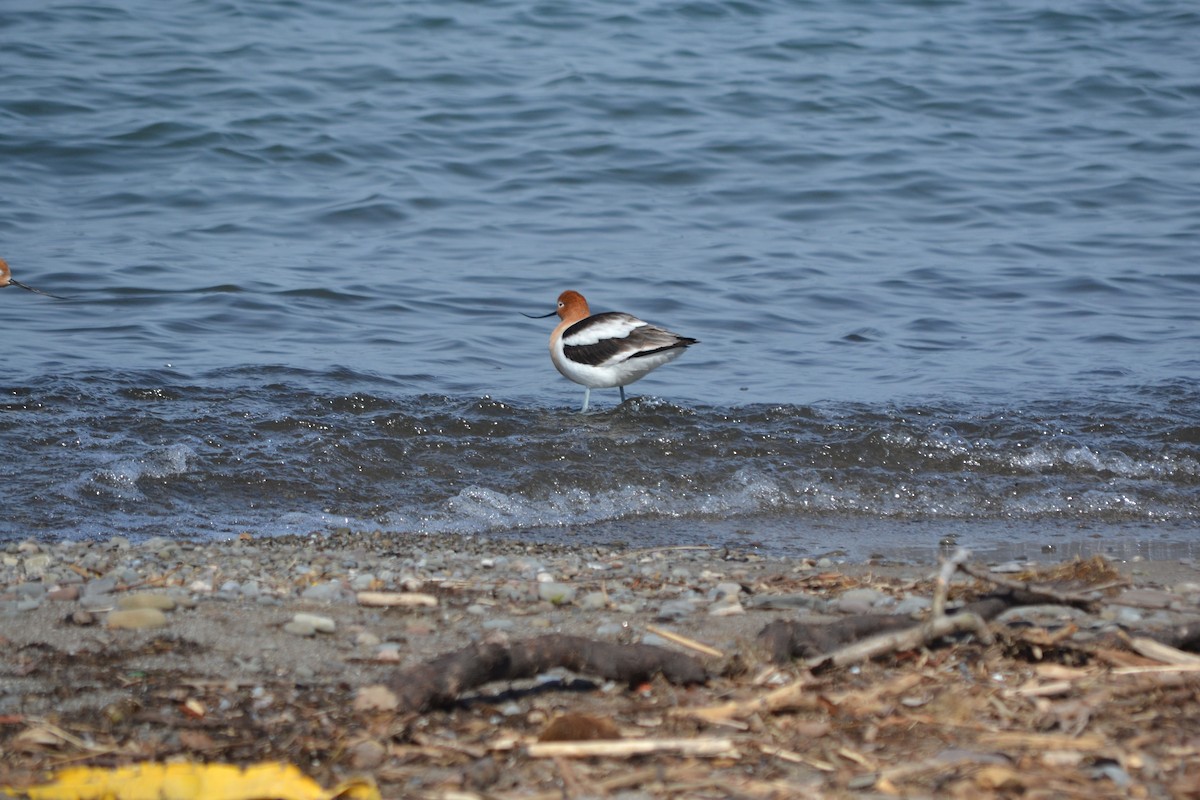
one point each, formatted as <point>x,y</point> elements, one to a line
<point>600,351</point>
<point>6,279</point>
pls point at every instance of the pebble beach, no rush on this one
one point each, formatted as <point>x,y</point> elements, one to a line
<point>201,647</point>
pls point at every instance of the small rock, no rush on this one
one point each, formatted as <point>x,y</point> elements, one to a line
<point>299,628</point>
<point>376,698</point>
<point>860,601</point>
<point>785,601</point>
<point>146,600</point>
<point>727,589</point>
<point>64,593</point>
<point>136,618</point>
<point>362,582</point>
<point>912,605</point>
<point>100,586</point>
<point>367,754</point>
<point>593,601</point>
<point>498,625</point>
<point>726,607</point>
<point>81,617</point>
<point>37,565</point>
<point>388,652</point>
<point>318,623</point>
<point>557,593</point>
<point>324,592</point>
<point>675,609</point>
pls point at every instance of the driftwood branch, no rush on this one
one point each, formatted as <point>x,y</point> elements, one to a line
<point>858,637</point>
<point>442,680</point>
<point>1032,593</point>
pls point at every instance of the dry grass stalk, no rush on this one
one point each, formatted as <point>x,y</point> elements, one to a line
<point>1163,652</point>
<point>626,748</point>
<point>684,641</point>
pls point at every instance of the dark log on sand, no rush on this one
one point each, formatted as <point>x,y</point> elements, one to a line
<point>441,681</point>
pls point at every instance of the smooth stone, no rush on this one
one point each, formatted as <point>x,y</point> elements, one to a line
<point>64,593</point>
<point>557,593</point>
<point>323,592</point>
<point>498,625</point>
<point>146,600</point>
<point>593,601</point>
<point>674,609</point>
<point>727,607</point>
<point>388,651</point>
<point>769,601</point>
<point>726,589</point>
<point>319,624</point>
<point>98,586</point>
<point>299,628</point>
<point>912,605</point>
<point>136,618</point>
<point>97,602</point>
<point>37,564</point>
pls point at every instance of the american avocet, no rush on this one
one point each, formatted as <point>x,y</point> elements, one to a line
<point>601,351</point>
<point>6,279</point>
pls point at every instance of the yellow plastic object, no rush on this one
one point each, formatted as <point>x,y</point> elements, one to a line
<point>189,781</point>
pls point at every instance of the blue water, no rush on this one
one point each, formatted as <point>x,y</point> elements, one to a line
<point>941,258</point>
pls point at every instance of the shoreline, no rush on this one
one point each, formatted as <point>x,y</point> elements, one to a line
<point>226,639</point>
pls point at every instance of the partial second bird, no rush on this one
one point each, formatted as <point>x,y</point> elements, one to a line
<point>6,279</point>
<point>600,351</point>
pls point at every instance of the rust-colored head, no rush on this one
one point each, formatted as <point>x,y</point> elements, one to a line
<point>572,305</point>
<point>5,273</point>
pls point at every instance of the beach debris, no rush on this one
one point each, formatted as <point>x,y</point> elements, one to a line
<point>394,599</point>
<point>440,681</point>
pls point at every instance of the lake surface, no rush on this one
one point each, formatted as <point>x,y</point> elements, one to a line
<point>941,258</point>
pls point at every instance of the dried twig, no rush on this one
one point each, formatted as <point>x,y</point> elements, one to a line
<point>625,748</point>
<point>684,641</point>
<point>1035,592</point>
<point>900,641</point>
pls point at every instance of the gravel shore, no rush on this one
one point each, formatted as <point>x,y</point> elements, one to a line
<point>259,649</point>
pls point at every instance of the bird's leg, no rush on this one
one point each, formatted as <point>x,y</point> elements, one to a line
<point>587,393</point>
<point>622,388</point>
